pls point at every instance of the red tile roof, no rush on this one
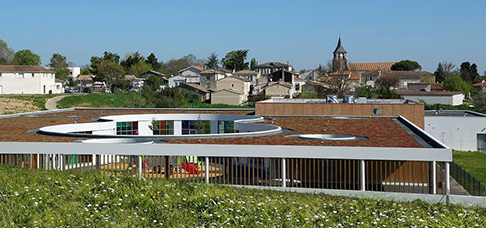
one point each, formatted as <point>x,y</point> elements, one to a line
<point>199,68</point>
<point>22,68</point>
<point>479,84</point>
<point>370,66</point>
<point>196,87</point>
<point>440,93</point>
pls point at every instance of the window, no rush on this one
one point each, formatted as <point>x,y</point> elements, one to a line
<point>163,127</point>
<point>481,142</point>
<point>32,74</point>
<point>297,87</point>
<point>127,128</point>
<point>377,111</point>
<point>20,75</point>
<point>226,127</point>
<point>0,74</point>
<point>232,85</point>
<point>192,127</point>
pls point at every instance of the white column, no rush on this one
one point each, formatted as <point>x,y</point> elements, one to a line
<point>284,173</point>
<point>447,181</point>
<point>139,167</point>
<point>434,177</point>
<point>177,127</point>
<point>206,171</point>
<point>363,176</point>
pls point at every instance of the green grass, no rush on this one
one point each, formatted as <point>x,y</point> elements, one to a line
<point>36,198</point>
<point>38,100</point>
<point>472,162</point>
<point>113,100</point>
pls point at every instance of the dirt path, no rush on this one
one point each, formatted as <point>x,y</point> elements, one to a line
<point>52,102</point>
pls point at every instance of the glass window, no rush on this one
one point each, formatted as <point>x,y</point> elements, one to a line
<point>192,127</point>
<point>226,127</point>
<point>481,142</point>
<point>377,111</point>
<point>127,128</point>
<point>163,127</point>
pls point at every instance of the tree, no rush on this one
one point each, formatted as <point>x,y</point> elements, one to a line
<point>27,57</point>
<point>253,63</point>
<point>59,64</point>
<point>469,73</point>
<point>235,60</point>
<point>131,59</point>
<point>193,60</point>
<point>474,73</point>
<point>109,72</point>
<point>388,81</point>
<point>455,83</point>
<point>173,66</point>
<point>212,62</point>
<point>107,56</point>
<point>406,65</point>
<point>153,61</point>
<point>7,54</point>
<point>440,74</point>
<point>139,68</point>
<point>153,82</point>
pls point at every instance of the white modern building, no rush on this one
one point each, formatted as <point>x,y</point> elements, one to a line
<point>460,130</point>
<point>74,72</point>
<point>434,97</point>
<point>28,80</point>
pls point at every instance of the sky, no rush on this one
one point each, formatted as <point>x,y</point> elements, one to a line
<point>305,33</point>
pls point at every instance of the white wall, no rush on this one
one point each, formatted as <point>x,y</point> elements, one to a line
<point>437,99</point>
<point>176,81</point>
<point>74,72</point>
<point>460,133</point>
<point>29,83</point>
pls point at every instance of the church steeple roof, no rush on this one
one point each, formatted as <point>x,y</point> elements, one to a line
<point>340,48</point>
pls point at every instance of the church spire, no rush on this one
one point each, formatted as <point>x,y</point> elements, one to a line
<point>339,48</point>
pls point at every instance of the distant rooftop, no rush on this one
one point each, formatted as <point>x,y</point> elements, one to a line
<point>458,113</point>
<point>359,101</point>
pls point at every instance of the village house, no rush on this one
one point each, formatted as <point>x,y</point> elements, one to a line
<point>28,80</point>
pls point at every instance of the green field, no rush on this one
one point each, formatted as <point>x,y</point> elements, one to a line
<point>111,100</point>
<point>36,198</point>
<point>472,162</point>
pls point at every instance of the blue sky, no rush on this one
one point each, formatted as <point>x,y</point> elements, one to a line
<point>302,32</point>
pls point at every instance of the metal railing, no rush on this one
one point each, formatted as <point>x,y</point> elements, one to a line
<point>287,172</point>
<point>468,182</point>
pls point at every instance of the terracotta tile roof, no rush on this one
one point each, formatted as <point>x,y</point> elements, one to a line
<point>231,91</point>
<point>199,68</point>
<point>436,87</point>
<point>381,132</point>
<point>246,72</point>
<point>129,77</point>
<point>235,77</point>
<point>22,68</point>
<point>479,84</point>
<point>213,71</point>
<point>272,65</point>
<point>196,87</point>
<point>58,80</point>
<point>297,79</point>
<point>351,74</point>
<point>425,93</point>
<point>370,66</point>
<point>407,74</point>
<point>85,77</point>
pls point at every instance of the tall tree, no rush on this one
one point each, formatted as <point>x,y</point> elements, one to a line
<point>27,57</point>
<point>406,65</point>
<point>474,73</point>
<point>469,73</point>
<point>235,60</point>
<point>153,61</point>
<point>107,56</point>
<point>193,60</point>
<point>59,64</point>
<point>253,63</point>
<point>7,54</point>
<point>139,68</point>
<point>440,74</point>
<point>455,83</point>
<point>212,62</point>
<point>109,72</point>
<point>173,66</point>
<point>131,59</point>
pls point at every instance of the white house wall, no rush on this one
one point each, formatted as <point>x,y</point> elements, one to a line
<point>437,99</point>
<point>13,83</point>
<point>459,133</point>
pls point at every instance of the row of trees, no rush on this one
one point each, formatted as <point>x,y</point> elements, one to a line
<point>467,72</point>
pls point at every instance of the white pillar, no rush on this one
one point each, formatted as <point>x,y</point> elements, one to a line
<point>363,175</point>
<point>284,173</point>
<point>140,167</point>
<point>447,181</point>
<point>206,161</point>
<point>434,177</point>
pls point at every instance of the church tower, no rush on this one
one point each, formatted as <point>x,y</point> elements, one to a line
<point>340,60</point>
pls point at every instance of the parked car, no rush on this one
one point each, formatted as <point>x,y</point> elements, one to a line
<point>105,90</point>
<point>87,90</point>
